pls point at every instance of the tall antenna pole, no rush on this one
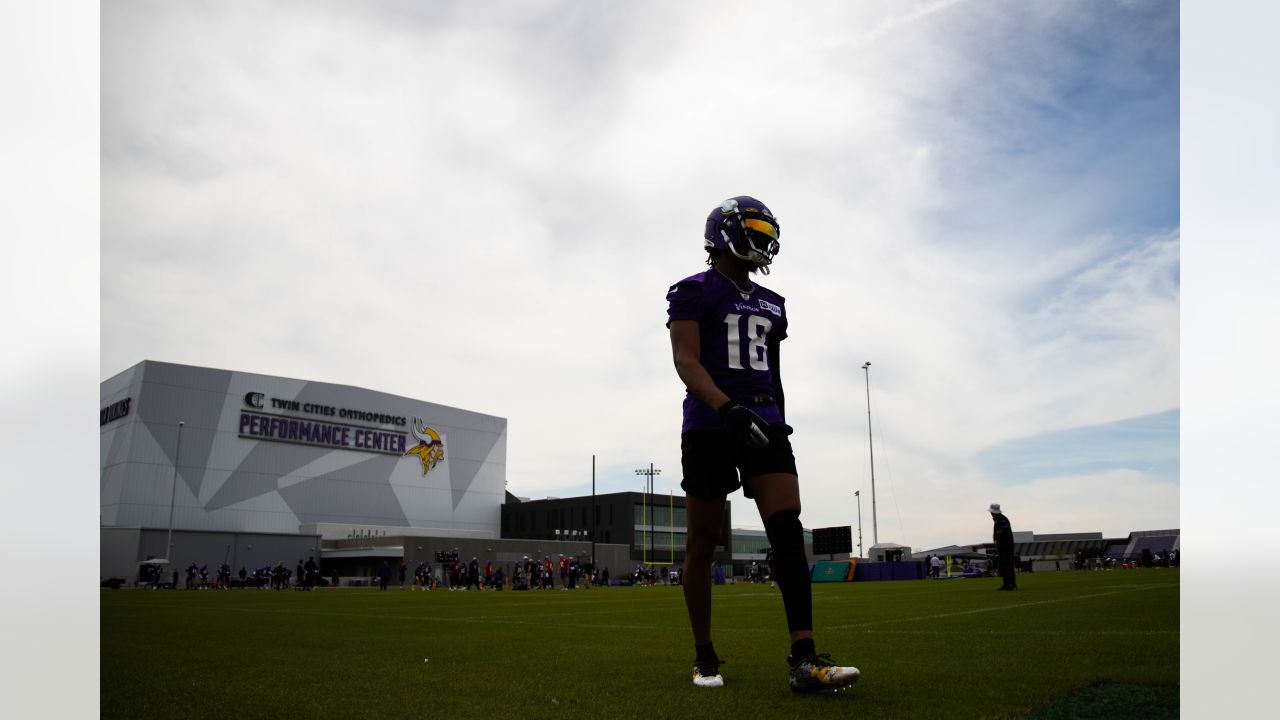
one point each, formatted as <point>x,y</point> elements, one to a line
<point>177,453</point>
<point>875,532</point>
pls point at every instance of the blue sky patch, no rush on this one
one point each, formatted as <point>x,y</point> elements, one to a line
<point>1148,444</point>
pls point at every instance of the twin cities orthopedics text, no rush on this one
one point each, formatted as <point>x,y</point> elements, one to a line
<point>322,434</point>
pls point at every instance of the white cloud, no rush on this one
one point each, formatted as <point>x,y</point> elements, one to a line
<point>1119,501</point>
<point>483,207</point>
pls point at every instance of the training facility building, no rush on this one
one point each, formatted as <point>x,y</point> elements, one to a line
<point>253,469</point>
<point>210,466</point>
<point>653,527</point>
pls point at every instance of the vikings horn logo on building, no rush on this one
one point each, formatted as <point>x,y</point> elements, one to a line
<point>430,448</point>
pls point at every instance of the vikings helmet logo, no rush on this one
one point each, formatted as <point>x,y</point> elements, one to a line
<point>430,448</point>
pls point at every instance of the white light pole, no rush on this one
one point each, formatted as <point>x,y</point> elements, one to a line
<point>875,531</point>
<point>594,512</point>
<point>177,454</point>
<point>858,494</point>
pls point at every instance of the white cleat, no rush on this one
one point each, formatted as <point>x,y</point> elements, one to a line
<point>707,674</point>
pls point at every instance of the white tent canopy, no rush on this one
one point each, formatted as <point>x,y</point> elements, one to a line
<point>957,552</point>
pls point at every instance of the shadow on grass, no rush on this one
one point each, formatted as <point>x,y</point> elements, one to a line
<point>1114,701</point>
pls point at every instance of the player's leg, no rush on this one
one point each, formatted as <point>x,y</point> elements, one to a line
<point>704,530</point>
<point>705,518</point>
<point>777,496</point>
<point>709,476</point>
<point>1007,571</point>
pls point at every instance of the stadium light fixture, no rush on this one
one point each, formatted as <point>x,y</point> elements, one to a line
<point>595,511</point>
<point>858,494</point>
<point>651,472</point>
<point>875,531</point>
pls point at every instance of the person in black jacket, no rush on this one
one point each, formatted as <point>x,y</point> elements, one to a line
<point>312,573</point>
<point>1002,534</point>
<point>384,573</point>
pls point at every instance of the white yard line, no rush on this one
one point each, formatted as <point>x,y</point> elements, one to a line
<point>998,608</point>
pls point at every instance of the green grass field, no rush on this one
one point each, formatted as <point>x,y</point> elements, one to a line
<point>1068,644</point>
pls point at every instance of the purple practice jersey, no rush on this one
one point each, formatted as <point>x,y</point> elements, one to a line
<point>736,329</point>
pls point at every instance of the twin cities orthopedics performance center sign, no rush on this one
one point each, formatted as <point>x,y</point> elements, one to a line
<point>259,422</point>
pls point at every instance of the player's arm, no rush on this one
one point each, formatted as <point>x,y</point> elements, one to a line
<point>686,351</point>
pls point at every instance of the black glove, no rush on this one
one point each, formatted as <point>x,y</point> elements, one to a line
<point>744,423</point>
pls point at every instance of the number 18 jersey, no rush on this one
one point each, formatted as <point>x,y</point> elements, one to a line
<point>736,329</point>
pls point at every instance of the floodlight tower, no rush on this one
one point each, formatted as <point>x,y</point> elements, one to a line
<point>875,532</point>
<point>594,513</point>
<point>858,494</point>
<point>650,473</point>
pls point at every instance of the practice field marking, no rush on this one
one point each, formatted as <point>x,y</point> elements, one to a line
<point>998,608</point>
<point>414,618</point>
<point>1022,633</point>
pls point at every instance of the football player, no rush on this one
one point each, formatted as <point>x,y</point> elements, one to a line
<point>725,332</point>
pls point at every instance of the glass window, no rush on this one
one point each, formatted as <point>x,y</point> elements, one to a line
<point>750,544</point>
<point>661,543</point>
<point>659,514</point>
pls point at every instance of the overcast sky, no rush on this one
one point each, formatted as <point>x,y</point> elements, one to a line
<point>483,204</point>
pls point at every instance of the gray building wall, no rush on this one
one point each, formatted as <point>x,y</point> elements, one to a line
<point>118,553</point>
<point>234,475</point>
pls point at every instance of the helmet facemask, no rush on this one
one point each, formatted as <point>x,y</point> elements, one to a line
<point>756,241</point>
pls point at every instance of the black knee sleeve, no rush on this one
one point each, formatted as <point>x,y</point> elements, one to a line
<point>786,536</point>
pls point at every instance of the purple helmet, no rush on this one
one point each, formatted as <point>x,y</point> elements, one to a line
<point>745,227</point>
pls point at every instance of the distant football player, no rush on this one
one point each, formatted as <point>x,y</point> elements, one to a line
<point>725,335</point>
